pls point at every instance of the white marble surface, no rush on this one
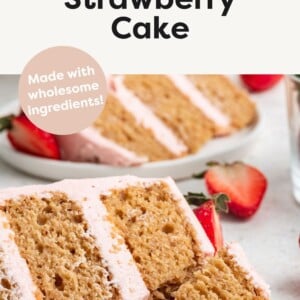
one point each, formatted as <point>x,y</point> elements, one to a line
<point>270,238</point>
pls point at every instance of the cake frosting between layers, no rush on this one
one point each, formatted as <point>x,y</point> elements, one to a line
<point>183,84</point>
<point>89,145</point>
<point>147,118</point>
<point>239,256</point>
<point>14,265</point>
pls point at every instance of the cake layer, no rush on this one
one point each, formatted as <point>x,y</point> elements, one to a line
<point>160,230</point>
<point>173,107</point>
<point>224,95</point>
<point>119,125</point>
<point>224,277</point>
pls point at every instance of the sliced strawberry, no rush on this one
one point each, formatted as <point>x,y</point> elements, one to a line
<point>260,83</point>
<point>244,184</point>
<point>207,214</point>
<point>210,221</point>
<point>24,136</point>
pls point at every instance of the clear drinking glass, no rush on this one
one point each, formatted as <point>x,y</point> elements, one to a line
<point>293,100</point>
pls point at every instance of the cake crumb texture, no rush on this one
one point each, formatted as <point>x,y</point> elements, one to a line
<point>230,99</point>
<point>120,126</point>
<point>52,236</point>
<point>173,108</point>
<point>157,234</point>
<point>220,278</point>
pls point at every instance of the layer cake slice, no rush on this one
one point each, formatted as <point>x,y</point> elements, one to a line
<point>113,238</point>
<point>150,118</point>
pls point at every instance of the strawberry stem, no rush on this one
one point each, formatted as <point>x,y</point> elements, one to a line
<point>220,200</point>
<point>199,175</point>
<point>202,174</point>
<point>5,122</point>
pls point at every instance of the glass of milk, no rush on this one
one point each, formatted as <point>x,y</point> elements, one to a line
<point>293,99</point>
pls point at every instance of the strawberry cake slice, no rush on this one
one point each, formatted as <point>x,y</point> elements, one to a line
<point>150,118</point>
<point>114,238</point>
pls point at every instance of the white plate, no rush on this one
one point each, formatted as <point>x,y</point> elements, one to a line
<point>228,148</point>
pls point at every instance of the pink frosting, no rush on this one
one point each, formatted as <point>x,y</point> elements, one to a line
<point>15,266</point>
<point>89,145</point>
<point>198,99</point>
<point>147,118</point>
<point>240,258</point>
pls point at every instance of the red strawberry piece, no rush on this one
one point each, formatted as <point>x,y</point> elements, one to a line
<point>258,83</point>
<point>210,221</point>
<point>207,214</point>
<point>244,185</point>
<point>24,136</point>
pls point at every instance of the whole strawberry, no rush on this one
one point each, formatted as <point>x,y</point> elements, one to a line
<point>24,136</point>
<point>259,83</point>
<point>244,184</point>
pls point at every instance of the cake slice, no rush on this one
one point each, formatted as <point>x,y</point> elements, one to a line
<point>150,118</point>
<point>126,133</point>
<point>113,238</point>
<point>56,243</point>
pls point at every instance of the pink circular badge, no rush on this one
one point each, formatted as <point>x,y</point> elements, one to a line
<point>62,90</point>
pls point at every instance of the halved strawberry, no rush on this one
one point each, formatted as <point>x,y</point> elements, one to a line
<point>208,216</point>
<point>244,184</point>
<point>260,82</point>
<point>24,136</point>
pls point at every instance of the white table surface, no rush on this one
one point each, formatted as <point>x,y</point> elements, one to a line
<point>270,238</point>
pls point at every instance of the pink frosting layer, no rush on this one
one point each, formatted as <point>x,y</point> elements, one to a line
<point>147,118</point>
<point>198,99</point>
<point>89,145</point>
<point>15,266</point>
<point>240,258</point>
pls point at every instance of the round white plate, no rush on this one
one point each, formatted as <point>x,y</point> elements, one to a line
<point>228,148</point>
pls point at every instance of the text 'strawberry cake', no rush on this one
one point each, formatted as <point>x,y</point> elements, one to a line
<point>159,117</point>
<point>113,238</point>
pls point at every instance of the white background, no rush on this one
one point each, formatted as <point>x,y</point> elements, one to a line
<point>257,36</point>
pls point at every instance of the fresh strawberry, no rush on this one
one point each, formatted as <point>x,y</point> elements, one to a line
<point>208,216</point>
<point>259,83</point>
<point>244,184</point>
<point>24,136</point>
